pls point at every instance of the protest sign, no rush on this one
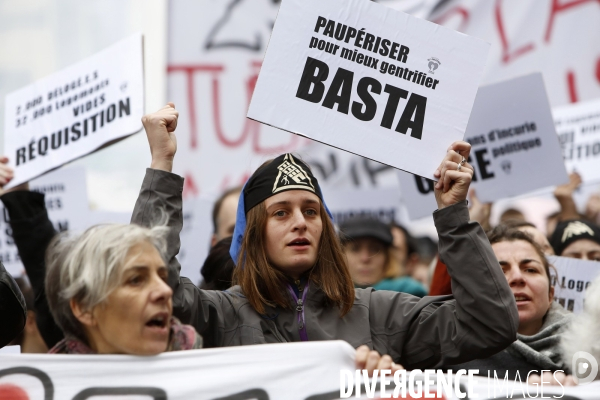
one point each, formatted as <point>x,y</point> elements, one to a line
<point>574,277</point>
<point>514,151</point>
<point>215,52</point>
<point>271,371</point>
<point>556,37</point>
<point>96,217</point>
<point>578,128</point>
<point>67,205</point>
<point>314,370</point>
<point>195,236</point>
<point>75,111</point>
<point>383,204</point>
<point>370,80</point>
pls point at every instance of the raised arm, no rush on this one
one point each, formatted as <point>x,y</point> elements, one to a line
<point>480,318</point>
<point>160,196</point>
<point>32,231</point>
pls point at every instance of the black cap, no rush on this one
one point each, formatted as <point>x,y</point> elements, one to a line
<point>567,232</point>
<point>286,172</point>
<point>366,227</point>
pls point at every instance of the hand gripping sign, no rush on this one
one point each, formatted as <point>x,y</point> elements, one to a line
<point>75,111</point>
<point>515,149</point>
<point>369,80</point>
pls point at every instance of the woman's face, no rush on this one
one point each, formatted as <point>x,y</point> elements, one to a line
<point>293,231</point>
<point>366,260</point>
<point>135,318</point>
<point>526,276</point>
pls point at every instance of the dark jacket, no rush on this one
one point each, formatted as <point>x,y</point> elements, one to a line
<point>32,232</point>
<point>537,352</point>
<point>13,312</point>
<point>480,320</point>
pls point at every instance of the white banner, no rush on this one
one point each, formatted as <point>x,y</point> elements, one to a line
<point>67,205</point>
<point>274,371</point>
<point>75,111</point>
<point>364,78</point>
<point>216,50</point>
<point>302,371</point>
<point>515,149</point>
<point>558,38</point>
<point>578,127</point>
<point>574,277</point>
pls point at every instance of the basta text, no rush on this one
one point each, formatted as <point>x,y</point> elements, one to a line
<point>312,88</point>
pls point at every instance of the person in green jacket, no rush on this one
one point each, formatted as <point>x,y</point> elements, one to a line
<point>367,243</point>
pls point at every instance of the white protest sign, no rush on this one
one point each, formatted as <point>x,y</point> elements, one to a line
<point>75,111</point>
<point>574,277</point>
<point>216,49</point>
<point>514,151</point>
<point>270,371</point>
<point>383,204</point>
<point>96,217</point>
<point>195,237</point>
<point>578,127</point>
<point>67,205</point>
<point>370,80</point>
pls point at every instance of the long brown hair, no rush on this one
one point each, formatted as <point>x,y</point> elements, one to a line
<point>264,285</point>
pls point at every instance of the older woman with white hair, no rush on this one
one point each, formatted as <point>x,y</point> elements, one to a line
<point>107,290</point>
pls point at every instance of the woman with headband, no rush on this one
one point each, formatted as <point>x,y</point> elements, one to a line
<point>291,279</point>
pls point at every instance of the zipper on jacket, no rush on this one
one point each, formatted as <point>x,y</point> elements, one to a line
<point>300,310</point>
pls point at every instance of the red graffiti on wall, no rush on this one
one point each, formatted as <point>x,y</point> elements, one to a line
<point>251,129</point>
<point>511,52</point>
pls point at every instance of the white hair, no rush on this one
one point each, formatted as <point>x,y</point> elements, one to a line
<point>582,334</point>
<point>89,267</point>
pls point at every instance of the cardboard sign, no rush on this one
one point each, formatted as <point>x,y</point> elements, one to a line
<point>578,128</point>
<point>76,111</point>
<point>67,205</point>
<point>293,371</point>
<point>514,151</point>
<point>370,80</point>
<point>574,277</point>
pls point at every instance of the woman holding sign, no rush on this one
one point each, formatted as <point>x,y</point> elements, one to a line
<point>292,280</point>
<point>542,321</point>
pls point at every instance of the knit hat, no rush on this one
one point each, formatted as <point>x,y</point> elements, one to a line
<point>285,172</point>
<point>567,232</point>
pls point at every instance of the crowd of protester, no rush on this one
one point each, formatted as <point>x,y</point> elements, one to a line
<point>280,270</point>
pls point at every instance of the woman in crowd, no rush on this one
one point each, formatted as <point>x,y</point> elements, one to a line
<point>33,232</point>
<point>541,320</point>
<point>292,280</point>
<point>367,244</point>
<point>107,290</point>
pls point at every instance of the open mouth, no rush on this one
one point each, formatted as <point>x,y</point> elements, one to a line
<point>519,297</point>
<point>159,320</point>
<point>299,242</point>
